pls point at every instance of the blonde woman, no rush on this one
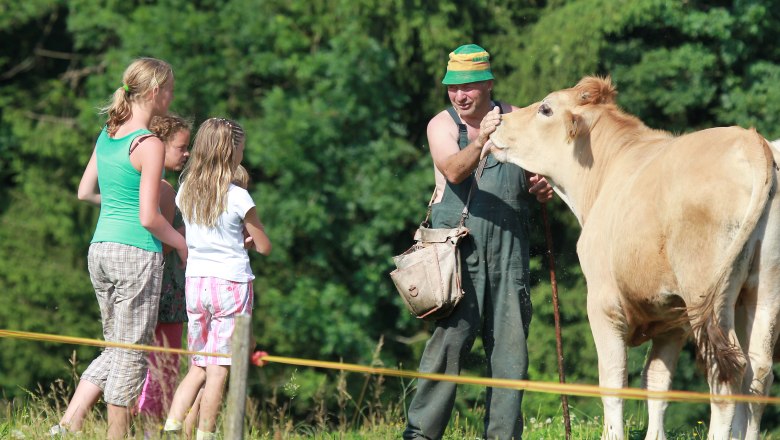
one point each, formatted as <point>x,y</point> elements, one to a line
<point>219,278</point>
<point>125,257</point>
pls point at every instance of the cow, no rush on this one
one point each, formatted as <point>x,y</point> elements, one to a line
<point>680,238</point>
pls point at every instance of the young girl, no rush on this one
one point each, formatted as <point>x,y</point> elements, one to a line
<point>157,392</point>
<point>125,257</point>
<point>219,278</point>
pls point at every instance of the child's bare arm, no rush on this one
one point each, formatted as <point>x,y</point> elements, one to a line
<point>167,206</point>
<point>256,230</point>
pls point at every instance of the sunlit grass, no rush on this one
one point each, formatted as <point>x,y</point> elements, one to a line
<point>32,418</point>
<point>373,412</point>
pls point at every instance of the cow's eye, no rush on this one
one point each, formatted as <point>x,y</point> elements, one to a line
<point>545,109</point>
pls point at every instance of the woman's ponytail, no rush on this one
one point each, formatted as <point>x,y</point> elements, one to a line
<point>118,110</point>
<point>140,78</point>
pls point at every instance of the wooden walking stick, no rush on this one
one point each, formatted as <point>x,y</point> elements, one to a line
<point>556,314</point>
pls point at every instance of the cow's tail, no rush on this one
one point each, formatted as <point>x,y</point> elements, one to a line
<point>712,339</point>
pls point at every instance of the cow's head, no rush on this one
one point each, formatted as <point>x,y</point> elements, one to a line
<point>545,134</point>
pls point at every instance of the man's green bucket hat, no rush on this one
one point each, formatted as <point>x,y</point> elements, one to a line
<point>468,63</point>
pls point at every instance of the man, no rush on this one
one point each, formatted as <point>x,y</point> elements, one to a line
<point>494,255</point>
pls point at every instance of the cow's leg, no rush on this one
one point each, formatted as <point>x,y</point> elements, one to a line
<point>758,375</point>
<point>609,337</point>
<point>760,309</point>
<point>720,348</point>
<point>657,376</point>
<point>741,319</point>
<point>722,411</point>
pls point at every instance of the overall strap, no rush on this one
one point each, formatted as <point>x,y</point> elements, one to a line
<point>463,132</point>
<point>463,141</point>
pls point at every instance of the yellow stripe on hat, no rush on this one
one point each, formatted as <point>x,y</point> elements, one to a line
<point>469,61</point>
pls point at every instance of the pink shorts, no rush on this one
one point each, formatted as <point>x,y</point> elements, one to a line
<point>212,304</point>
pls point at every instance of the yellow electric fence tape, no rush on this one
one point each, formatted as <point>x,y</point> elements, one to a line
<point>533,386</point>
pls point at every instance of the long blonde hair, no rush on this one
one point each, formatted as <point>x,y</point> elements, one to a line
<point>140,77</point>
<point>208,173</point>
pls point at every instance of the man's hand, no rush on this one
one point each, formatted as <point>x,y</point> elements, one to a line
<point>488,126</point>
<point>540,188</point>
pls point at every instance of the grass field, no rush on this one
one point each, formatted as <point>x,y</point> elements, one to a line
<point>33,420</point>
<point>31,417</point>
<point>376,411</point>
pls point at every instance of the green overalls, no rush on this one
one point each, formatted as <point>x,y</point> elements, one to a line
<point>497,301</point>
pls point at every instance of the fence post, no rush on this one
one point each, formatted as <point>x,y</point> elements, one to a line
<point>236,398</point>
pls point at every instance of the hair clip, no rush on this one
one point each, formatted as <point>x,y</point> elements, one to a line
<point>126,87</point>
<point>226,121</point>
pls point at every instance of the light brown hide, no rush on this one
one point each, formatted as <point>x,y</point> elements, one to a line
<point>669,228</point>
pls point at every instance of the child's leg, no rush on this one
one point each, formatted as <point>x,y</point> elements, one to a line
<point>191,421</point>
<point>212,396</point>
<point>186,393</point>
<point>169,363</point>
<point>150,400</point>
<point>198,323</point>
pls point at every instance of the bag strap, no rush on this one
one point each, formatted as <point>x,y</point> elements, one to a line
<point>477,175</point>
<point>465,213</point>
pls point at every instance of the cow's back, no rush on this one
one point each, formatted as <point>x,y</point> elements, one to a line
<point>670,215</point>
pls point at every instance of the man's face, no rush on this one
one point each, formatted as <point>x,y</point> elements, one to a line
<point>470,98</point>
<point>177,150</point>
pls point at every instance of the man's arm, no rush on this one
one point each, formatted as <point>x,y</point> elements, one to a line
<point>456,164</point>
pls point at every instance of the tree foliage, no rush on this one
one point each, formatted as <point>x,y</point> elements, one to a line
<point>335,97</point>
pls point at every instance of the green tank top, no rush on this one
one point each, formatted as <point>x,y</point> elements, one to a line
<point>119,183</point>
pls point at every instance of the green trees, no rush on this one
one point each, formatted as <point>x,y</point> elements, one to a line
<point>335,97</point>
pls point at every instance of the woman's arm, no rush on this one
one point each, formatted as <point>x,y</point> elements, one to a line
<point>89,190</point>
<point>149,159</point>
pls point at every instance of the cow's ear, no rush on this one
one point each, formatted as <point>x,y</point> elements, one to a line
<point>574,125</point>
<point>596,90</point>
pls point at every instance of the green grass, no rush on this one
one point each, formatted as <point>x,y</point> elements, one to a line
<point>310,405</point>
<point>31,418</point>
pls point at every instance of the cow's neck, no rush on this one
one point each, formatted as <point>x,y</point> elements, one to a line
<point>581,185</point>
